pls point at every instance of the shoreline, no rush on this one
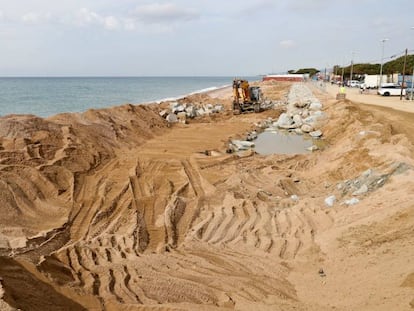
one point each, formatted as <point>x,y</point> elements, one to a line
<point>210,91</point>
<point>45,97</point>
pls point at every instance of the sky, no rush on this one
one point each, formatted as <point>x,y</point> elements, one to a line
<point>197,37</point>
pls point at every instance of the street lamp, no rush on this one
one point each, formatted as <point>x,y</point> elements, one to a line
<point>382,61</point>
<point>352,65</point>
<point>412,79</point>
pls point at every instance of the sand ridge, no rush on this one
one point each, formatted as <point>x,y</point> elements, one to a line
<point>116,210</point>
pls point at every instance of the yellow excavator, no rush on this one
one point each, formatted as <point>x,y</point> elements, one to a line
<point>246,98</point>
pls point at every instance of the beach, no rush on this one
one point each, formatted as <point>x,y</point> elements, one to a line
<point>118,209</point>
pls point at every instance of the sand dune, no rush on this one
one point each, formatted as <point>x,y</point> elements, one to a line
<point>115,210</point>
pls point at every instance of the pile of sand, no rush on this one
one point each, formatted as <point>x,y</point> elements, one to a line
<point>114,210</point>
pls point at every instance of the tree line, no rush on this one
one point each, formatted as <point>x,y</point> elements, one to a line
<point>390,67</point>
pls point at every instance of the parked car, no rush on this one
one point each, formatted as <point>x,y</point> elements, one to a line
<point>391,90</point>
<point>353,83</point>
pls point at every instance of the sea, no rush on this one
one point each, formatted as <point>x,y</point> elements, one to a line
<point>46,96</point>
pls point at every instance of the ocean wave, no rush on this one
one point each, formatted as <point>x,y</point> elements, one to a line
<point>201,91</point>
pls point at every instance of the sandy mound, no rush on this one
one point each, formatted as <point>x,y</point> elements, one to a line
<point>113,210</point>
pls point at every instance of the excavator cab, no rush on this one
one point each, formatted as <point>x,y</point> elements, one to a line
<point>245,97</point>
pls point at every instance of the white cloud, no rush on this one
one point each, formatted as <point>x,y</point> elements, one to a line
<point>111,23</point>
<point>86,17</point>
<point>132,25</point>
<point>287,44</point>
<point>1,15</point>
<point>163,13</point>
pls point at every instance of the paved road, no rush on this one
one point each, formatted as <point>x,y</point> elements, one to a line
<point>371,98</point>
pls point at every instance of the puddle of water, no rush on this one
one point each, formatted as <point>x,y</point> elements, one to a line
<point>282,143</point>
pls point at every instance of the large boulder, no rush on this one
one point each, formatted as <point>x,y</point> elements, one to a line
<point>182,116</point>
<point>297,120</point>
<point>172,118</point>
<point>190,111</point>
<point>285,121</point>
<point>218,108</point>
<point>315,106</point>
<point>176,107</point>
<point>242,144</point>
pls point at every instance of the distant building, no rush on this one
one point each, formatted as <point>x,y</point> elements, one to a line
<point>284,78</point>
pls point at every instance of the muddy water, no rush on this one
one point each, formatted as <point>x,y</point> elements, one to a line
<point>282,143</point>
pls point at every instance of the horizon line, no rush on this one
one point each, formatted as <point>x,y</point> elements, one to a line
<point>127,76</point>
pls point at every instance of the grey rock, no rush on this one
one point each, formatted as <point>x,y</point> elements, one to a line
<point>177,107</point>
<point>306,128</point>
<point>297,119</point>
<point>181,116</point>
<point>311,120</point>
<point>381,182</point>
<point>330,201</point>
<point>294,198</point>
<point>312,148</point>
<point>201,112</point>
<point>172,118</point>
<point>316,134</point>
<point>191,112</point>
<point>251,136</point>
<point>305,113</point>
<point>242,144</point>
<point>285,121</point>
<point>367,173</point>
<point>163,113</point>
<point>314,106</point>
<point>352,201</point>
<point>362,190</point>
<point>218,108</point>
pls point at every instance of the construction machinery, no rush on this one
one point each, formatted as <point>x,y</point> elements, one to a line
<point>246,98</point>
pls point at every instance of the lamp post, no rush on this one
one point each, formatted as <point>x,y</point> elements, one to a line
<point>352,65</point>
<point>412,78</point>
<point>382,61</point>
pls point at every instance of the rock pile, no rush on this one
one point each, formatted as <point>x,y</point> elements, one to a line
<point>180,112</point>
<point>303,115</point>
<point>369,180</point>
<point>366,182</point>
<point>303,112</point>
